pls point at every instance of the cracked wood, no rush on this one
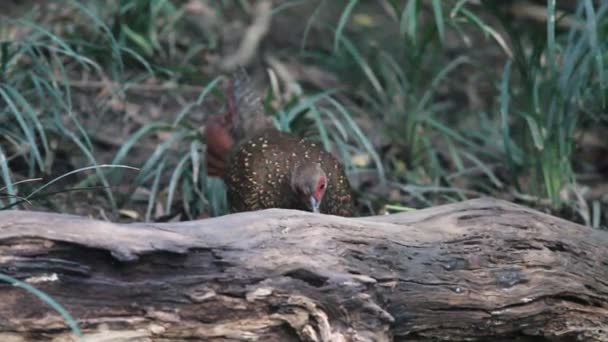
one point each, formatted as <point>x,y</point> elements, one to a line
<point>476,270</point>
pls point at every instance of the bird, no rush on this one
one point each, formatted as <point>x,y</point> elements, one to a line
<point>264,167</point>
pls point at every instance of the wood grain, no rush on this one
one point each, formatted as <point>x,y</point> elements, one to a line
<point>480,270</point>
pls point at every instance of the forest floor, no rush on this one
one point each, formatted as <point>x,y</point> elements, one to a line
<point>425,102</point>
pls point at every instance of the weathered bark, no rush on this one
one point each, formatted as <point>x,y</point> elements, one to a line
<point>477,270</point>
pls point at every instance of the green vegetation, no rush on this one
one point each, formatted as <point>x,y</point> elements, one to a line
<point>71,322</point>
<point>426,102</point>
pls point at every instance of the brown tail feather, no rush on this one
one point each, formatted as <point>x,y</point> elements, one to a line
<point>244,115</point>
<point>219,143</point>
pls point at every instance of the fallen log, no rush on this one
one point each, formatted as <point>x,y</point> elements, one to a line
<point>477,270</point>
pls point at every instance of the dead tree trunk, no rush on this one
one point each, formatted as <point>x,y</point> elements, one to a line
<point>477,270</point>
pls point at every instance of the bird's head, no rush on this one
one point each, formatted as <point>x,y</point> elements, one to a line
<point>309,183</point>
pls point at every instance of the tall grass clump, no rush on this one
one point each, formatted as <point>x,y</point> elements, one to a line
<point>37,108</point>
<point>395,66</point>
<point>554,85</point>
<point>143,24</point>
<point>39,59</point>
<point>179,158</point>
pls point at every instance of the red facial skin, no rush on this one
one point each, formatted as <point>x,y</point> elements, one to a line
<point>320,189</point>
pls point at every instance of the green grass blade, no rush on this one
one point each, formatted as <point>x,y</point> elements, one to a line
<point>175,177</point>
<point>128,145</point>
<point>287,4</point>
<point>157,155</point>
<point>504,115</point>
<point>47,299</point>
<point>409,19</point>
<point>102,177</point>
<point>309,24</point>
<point>454,155</point>
<point>438,79</point>
<point>321,127</point>
<point>362,139</point>
<point>438,12</point>
<point>108,33</point>
<point>595,44</point>
<point>551,34</point>
<point>597,214</point>
<point>54,180</point>
<point>32,117</point>
<point>25,127</point>
<point>6,177</point>
<point>365,67</point>
<point>304,104</point>
<point>139,40</point>
<point>342,22</point>
<point>195,155</point>
<point>535,132</point>
<point>210,86</point>
<point>154,189</point>
<point>484,168</point>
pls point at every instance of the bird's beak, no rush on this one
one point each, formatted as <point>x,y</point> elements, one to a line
<point>314,204</point>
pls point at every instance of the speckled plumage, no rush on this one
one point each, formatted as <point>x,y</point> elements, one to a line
<point>257,162</point>
<point>259,171</point>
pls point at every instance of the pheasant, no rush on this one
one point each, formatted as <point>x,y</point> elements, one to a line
<point>266,168</point>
